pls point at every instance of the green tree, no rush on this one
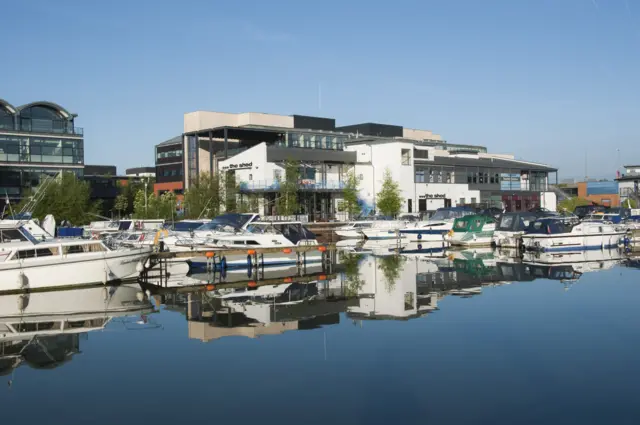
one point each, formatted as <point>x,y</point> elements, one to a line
<point>204,196</point>
<point>230,195</point>
<point>67,198</point>
<point>287,202</point>
<point>388,200</point>
<point>349,202</point>
<point>391,265</point>
<point>570,204</point>
<point>121,204</point>
<point>350,262</point>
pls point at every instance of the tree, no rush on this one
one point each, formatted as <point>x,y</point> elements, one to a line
<point>350,263</point>
<point>287,201</point>
<point>230,191</point>
<point>388,200</point>
<point>67,198</point>
<point>570,204</point>
<point>391,265</point>
<point>349,202</point>
<point>204,196</point>
<point>157,207</point>
<point>121,203</point>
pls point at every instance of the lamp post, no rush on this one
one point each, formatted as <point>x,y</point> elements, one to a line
<point>146,182</point>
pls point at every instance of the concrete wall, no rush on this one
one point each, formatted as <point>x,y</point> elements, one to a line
<point>415,134</point>
<point>200,120</point>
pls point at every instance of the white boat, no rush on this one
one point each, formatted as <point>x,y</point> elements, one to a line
<point>27,263</point>
<point>510,227</point>
<point>285,235</point>
<point>384,229</point>
<point>472,230</point>
<point>438,225</point>
<point>354,229</point>
<point>549,235</point>
<point>580,261</point>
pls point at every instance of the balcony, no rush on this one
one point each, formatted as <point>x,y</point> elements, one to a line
<point>304,185</point>
<point>59,130</point>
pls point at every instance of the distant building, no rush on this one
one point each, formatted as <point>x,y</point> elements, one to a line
<point>432,173</point>
<point>141,172</point>
<point>169,166</point>
<point>601,193</point>
<point>628,183</point>
<point>36,140</point>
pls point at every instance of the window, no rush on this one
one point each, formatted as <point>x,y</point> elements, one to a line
<point>250,177</point>
<point>25,253</point>
<point>361,177</point>
<point>419,176</point>
<point>421,153</point>
<point>462,200</point>
<point>406,156</point>
<point>473,200</point>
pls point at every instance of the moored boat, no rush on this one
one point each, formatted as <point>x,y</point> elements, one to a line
<point>551,234</point>
<point>472,230</point>
<point>438,225</point>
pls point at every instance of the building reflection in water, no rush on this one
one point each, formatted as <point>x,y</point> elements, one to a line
<point>371,287</point>
<point>43,330</point>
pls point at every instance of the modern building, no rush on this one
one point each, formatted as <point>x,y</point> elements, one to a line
<point>148,172</point>
<point>604,193</point>
<point>36,140</point>
<point>169,166</point>
<point>432,173</point>
<point>628,184</point>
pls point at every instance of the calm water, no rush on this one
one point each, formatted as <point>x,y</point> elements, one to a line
<point>454,339</point>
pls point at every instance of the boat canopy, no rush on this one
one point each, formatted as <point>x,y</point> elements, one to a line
<point>451,213</point>
<point>233,220</point>
<point>186,226</point>
<point>515,221</point>
<point>471,223</point>
<point>549,226</point>
<point>604,218</point>
<point>293,231</point>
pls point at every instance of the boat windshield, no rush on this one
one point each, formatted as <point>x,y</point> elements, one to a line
<point>450,214</point>
<point>515,222</point>
<point>549,227</point>
<point>186,226</point>
<point>234,221</point>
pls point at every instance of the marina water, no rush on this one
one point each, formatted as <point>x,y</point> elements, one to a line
<point>454,339</point>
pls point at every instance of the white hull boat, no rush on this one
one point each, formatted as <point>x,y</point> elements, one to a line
<point>436,228</point>
<point>550,235</point>
<point>28,264</point>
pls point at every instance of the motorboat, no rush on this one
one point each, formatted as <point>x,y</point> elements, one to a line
<point>510,227</point>
<point>472,230</point>
<point>384,229</point>
<point>354,229</point>
<point>283,235</point>
<point>106,229</point>
<point>551,234</point>
<point>435,229</point>
<point>27,263</point>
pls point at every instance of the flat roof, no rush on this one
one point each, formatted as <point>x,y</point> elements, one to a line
<point>489,163</point>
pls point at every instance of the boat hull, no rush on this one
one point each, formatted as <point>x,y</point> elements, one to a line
<point>505,239</point>
<point>468,239</point>
<point>568,242</point>
<point>378,234</point>
<point>349,233</point>
<point>269,260</point>
<point>61,272</point>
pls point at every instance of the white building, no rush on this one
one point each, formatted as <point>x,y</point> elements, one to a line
<point>628,183</point>
<point>253,148</point>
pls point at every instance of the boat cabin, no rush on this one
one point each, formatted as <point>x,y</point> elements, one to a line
<point>515,221</point>
<point>471,223</point>
<point>449,214</point>
<point>550,226</point>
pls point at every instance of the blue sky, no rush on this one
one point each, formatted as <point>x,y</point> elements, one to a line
<point>547,80</point>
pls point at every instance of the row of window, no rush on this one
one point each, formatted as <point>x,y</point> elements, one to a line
<point>169,154</point>
<point>46,150</point>
<point>172,173</point>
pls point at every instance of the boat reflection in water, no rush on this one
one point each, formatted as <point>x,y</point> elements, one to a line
<point>361,285</point>
<point>44,329</point>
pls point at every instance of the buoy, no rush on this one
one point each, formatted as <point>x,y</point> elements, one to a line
<point>210,287</point>
<point>322,248</point>
<point>147,263</point>
<point>249,262</point>
<point>210,254</point>
<point>139,267</point>
<point>251,252</point>
<point>252,284</point>
<point>223,263</point>
<point>322,277</point>
<point>287,280</point>
<point>287,251</point>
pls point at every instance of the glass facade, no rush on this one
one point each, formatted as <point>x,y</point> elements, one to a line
<point>312,141</point>
<point>170,154</point>
<point>14,180</point>
<point>192,157</point>
<point>6,119</point>
<point>49,150</point>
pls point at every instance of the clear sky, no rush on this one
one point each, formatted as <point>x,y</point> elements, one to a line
<point>555,81</point>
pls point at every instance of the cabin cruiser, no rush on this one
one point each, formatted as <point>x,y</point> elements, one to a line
<point>225,224</point>
<point>285,235</point>
<point>110,228</point>
<point>552,234</point>
<point>27,263</point>
<point>436,227</point>
<point>354,229</point>
<point>510,227</point>
<point>472,230</point>
<point>384,229</point>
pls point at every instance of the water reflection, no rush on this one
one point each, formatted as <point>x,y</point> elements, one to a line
<point>43,330</point>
